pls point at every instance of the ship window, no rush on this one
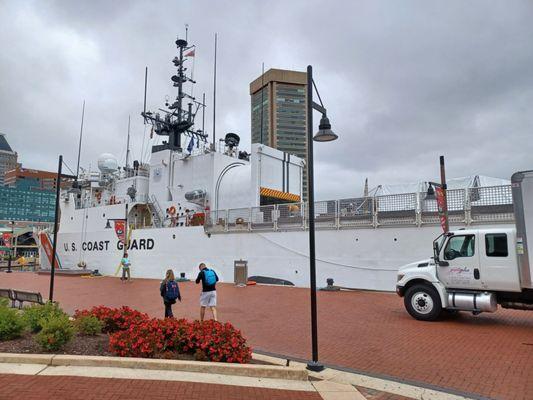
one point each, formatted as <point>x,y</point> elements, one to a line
<point>459,246</point>
<point>496,245</point>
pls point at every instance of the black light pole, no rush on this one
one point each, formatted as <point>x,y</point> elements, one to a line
<point>324,135</point>
<point>10,249</point>
<point>56,223</point>
<point>431,194</point>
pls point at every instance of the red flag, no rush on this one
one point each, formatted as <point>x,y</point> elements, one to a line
<point>6,236</point>
<point>190,53</point>
<point>439,192</point>
<point>120,230</point>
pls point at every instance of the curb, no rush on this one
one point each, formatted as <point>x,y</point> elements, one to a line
<point>387,384</point>
<point>249,370</point>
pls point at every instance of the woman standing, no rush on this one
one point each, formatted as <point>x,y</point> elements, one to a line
<point>169,292</point>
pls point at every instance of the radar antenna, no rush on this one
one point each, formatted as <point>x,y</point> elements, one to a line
<point>177,121</point>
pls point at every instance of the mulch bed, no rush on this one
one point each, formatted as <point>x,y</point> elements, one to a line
<point>79,345</point>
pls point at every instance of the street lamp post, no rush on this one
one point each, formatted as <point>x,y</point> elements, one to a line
<point>325,134</point>
<point>56,227</point>
<point>10,248</point>
<point>430,195</point>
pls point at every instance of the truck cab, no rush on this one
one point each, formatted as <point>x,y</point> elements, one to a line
<point>470,270</point>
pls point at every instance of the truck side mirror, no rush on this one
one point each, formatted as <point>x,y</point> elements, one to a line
<point>436,252</point>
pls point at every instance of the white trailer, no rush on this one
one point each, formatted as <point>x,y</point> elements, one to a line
<point>476,269</point>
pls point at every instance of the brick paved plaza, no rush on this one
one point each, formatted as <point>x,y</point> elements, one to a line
<point>490,355</point>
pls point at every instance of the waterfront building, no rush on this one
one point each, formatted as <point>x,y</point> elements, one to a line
<point>8,158</point>
<point>278,113</point>
<point>25,194</point>
<point>25,178</point>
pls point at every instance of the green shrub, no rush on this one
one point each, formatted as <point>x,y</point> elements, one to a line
<point>4,303</point>
<point>88,325</point>
<point>11,323</point>
<point>36,315</point>
<point>56,332</point>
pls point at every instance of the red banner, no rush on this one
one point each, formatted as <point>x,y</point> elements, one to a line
<point>441,205</point>
<point>120,230</point>
<point>6,237</point>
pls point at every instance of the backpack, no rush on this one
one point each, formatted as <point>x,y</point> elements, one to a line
<point>173,291</point>
<point>210,277</point>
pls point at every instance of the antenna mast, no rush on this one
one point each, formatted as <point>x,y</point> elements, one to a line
<point>128,144</point>
<point>177,121</point>
<point>81,135</point>
<point>215,92</point>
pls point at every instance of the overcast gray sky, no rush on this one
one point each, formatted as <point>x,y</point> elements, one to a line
<point>403,81</point>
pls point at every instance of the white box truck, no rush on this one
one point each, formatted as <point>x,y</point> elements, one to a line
<point>476,269</point>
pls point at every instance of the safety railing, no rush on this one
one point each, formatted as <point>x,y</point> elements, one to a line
<point>465,207</point>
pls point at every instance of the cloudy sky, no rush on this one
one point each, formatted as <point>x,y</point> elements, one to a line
<point>403,81</point>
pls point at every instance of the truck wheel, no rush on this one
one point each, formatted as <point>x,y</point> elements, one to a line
<point>423,302</point>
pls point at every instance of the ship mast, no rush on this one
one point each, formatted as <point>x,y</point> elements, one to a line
<point>177,121</point>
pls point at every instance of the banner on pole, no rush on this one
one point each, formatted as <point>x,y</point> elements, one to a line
<point>6,237</point>
<point>441,205</point>
<point>120,229</point>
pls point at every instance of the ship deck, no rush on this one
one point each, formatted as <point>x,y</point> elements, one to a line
<point>489,355</point>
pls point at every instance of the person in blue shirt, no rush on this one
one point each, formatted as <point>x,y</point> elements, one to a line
<point>208,297</point>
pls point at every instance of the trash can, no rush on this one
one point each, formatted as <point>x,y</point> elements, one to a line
<point>241,272</point>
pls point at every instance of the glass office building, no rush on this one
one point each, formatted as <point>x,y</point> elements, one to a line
<point>278,113</point>
<point>8,158</point>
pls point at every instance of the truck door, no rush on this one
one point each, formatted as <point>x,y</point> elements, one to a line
<point>459,266</point>
<point>499,268</point>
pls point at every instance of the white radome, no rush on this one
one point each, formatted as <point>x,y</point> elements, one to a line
<point>107,163</point>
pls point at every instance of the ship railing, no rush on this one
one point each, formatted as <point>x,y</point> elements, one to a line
<point>91,202</point>
<point>466,207</point>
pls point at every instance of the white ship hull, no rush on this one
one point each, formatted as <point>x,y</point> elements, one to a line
<point>355,258</point>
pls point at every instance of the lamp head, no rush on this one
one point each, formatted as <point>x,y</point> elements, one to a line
<point>324,134</point>
<point>430,195</point>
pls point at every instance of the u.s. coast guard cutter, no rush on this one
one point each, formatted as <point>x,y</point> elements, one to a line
<point>195,201</point>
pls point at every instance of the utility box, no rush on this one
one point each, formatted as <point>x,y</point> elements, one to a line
<point>241,272</point>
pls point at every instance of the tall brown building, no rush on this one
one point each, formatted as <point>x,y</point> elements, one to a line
<point>278,112</point>
<point>8,158</point>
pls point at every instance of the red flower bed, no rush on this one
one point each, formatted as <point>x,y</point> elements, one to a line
<point>208,340</point>
<point>150,337</point>
<point>114,319</point>
<point>219,342</point>
<point>134,334</point>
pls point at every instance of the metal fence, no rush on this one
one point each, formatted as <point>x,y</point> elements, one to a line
<point>465,206</point>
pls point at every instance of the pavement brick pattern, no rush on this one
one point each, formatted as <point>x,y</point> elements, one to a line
<point>489,355</point>
<point>16,387</point>
<point>371,394</point>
